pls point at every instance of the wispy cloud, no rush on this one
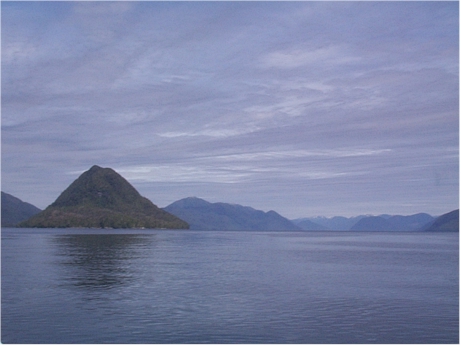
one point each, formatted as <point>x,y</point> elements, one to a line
<point>294,106</point>
<point>245,167</point>
<point>294,58</point>
<point>276,155</point>
<point>216,132</point>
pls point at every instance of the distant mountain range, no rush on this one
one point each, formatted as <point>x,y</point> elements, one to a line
<point>366,223</point>
<point>101,198</point>
<point>319,223</point>
<point>201,214</point>
<point>414,222</point>
<point>14,210</point>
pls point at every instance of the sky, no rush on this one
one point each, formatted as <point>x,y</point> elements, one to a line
<point>305,108</point>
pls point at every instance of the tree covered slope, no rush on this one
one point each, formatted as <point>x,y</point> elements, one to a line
<point>101,198</point>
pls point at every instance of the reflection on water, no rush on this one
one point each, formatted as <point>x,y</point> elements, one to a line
<point>100,260</point>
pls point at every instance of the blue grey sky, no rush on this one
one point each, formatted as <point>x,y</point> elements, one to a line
<point>305,108</point>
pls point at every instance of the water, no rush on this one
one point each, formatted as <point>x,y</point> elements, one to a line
<point>160,286</point>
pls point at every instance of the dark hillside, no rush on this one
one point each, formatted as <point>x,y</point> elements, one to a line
<point>14,210</point>
<point>101,198</point>
<point>448,222</point>
<point>201,214</point>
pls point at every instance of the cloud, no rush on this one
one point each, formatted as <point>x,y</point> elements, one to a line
<point>181,173</point>
<point>293,154</point>
<point>292,106</point>
<point>332,55</point>
<point>245,167</point>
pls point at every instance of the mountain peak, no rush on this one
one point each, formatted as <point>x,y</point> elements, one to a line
<point>99,187</point>
<point>95,168</point>
<point>191,202</point>
<point>100,197</point>
<point>201,214</point>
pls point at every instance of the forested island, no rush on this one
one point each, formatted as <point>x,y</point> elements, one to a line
<point>101,198</point>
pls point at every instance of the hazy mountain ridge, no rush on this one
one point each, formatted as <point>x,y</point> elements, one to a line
<point>336,223</point>
<point>448,222</point>
<point>201,214</point>
<point>14,210</point>
<point>393,223</point>
<point>307,225</point>
<point>101,198</point>
<point>411,222</point>
<point>383,222</point>
<point>372,223</point>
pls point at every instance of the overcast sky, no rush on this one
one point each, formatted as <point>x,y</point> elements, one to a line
<point>305,108</point>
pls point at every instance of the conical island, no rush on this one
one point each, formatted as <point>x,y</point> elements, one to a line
<point>101,198</point>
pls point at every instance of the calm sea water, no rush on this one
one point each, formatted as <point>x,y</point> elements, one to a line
<point>149,286</point>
